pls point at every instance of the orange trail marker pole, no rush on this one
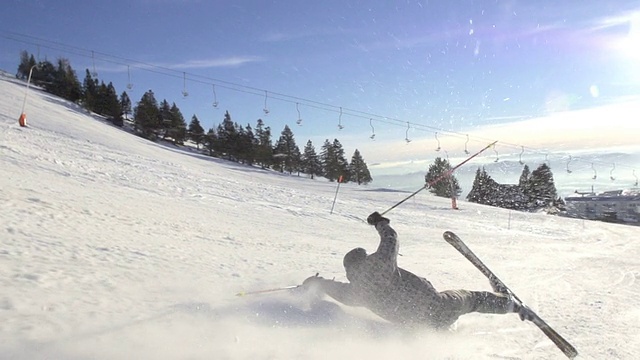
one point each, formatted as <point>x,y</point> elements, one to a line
<point>22,120</point>
<point>335,197</point>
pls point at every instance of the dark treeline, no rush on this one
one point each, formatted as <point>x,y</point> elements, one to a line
<point>535,190</point>
<point>161,120</point>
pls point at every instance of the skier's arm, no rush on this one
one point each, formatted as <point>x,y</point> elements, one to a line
<point>388,248</point>
<point>342,292</point>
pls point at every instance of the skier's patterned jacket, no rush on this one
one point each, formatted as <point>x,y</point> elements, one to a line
<point>400,296</point>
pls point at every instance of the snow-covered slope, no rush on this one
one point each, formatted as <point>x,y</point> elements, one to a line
<point>114,247</point>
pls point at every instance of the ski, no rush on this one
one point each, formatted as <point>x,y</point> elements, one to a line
<point>558,340</point>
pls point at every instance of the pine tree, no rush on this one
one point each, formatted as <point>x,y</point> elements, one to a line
<point>27,61</point>
<point>343,164</point>
<point>560,204</point>
<point>476,189</point>
<point>101,99</point>
<point>310,162</point>
<point>327,159</point>
<point>125,105</point>
<point>55,85</point>
<point>177,126</point>
<point>43,74</point>
<point>146,116</point>
<point>484,189</point>
<point>287,152</point>
<point>541,188</point>
<point>246,144</point>
<point>227,137</point>
<point>251,145</point>
<point>524,177</point>
<point>358,170</point>
<point>524,185</point>
<point>106,101</point>
<point>264,147</point>
<point>196,132</point>
<point>73,88</point>
<point>333,161</point>
<point>63,82</point>
<point>89,91</point>
<point>448,186</point>
<point>296,163</point>
<point>210,141</point>
<point>165,118</point>
<point>113,109</point>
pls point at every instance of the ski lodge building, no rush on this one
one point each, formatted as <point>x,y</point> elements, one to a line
<point>620,206</point>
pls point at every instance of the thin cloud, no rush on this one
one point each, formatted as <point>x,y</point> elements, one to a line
<point>233,61</point>
<point>279,36</point>
<point>625,19</point>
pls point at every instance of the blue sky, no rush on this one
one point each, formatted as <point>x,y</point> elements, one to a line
<point>439,65</point>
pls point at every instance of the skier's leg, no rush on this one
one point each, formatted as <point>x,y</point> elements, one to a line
<point>450,304</point>
<point>458,301</point>
<point>465,301</point>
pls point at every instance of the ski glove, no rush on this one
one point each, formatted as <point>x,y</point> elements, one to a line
<point>375,218</point>
<point>308,282</point>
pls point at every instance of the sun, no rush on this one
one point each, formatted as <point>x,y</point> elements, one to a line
<point>626,48</point>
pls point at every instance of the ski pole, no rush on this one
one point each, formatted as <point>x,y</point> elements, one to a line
<point>442,176</point>
<point>244,293</point>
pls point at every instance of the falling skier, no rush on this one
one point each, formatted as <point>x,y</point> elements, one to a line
<point>399,296</point>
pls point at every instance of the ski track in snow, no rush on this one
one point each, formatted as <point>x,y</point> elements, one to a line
<point>115,247</point>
